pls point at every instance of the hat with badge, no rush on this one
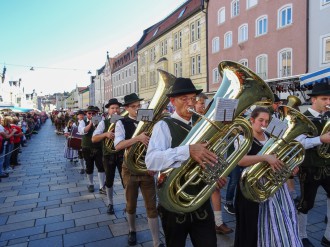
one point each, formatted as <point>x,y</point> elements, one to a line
<point>131,98</point>
<point>320,89</point>
<point>113,101</point>
<point>183,86</point>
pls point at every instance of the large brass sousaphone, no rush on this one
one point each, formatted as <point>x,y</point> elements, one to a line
<point>186,188</point>
<point>259,182</point>
<point>135,155</point>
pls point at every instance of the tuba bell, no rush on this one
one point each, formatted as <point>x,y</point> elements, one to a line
<point>188,187</point>
<point>293,101</point>
<point>259,182</point>
<point>109,143</point>
<point>135,155</point>
<point>323,149</point>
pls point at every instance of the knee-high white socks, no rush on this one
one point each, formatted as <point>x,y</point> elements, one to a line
<point>327,230</point>
<point>131,222</point>
<point>109,194</point>
<point>101,176</point>
<point>154,228</point>
<point>302,223</point>
<point>90,179</point>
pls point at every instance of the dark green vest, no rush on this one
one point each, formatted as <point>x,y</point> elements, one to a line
<point>178,133</point>
<point>311,157</point>
<point>86,141</point>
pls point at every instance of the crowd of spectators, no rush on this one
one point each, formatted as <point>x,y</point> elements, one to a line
<point>15,130</point>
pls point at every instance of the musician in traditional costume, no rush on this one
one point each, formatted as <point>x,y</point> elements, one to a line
<point>92,152</point>
<point>315,170</point>
<point>124,130</point>
<point>273,221</point>
<point>80,117</point>
<point>164,152</point>
<point>111,160</point>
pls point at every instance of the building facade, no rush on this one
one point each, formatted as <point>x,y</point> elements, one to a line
<point>319,35</point>
<point>177,44</point>
<point>124,73</point>
<point>269,37</point>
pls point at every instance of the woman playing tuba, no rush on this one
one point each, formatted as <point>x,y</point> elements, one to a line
<point>278,210</point>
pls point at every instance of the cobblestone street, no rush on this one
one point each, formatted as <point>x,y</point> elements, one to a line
<point>45,202</point>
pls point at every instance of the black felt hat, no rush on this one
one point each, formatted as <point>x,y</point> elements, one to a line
<point>320,89</point>
<point>276,98</point>
<point>80,112</point>
<point>92,109</point>
<point>113,101</point>
<point>131,98</point>
<point>183,86</point>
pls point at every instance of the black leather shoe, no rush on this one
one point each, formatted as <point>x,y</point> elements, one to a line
<point>306,242</point>
<point>325,242</point>
<point>132,238</point>
<point>110,209</point>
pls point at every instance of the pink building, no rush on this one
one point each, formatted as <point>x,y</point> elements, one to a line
<point>269,37</point>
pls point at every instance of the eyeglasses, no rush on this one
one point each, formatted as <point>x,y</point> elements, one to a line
<point>186,99</point>
<point>135,106</point>
<point>89,113</point>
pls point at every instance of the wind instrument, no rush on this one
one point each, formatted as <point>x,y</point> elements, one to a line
<point>188,187</point>
<point>323,149</point>
<point>259,182</point>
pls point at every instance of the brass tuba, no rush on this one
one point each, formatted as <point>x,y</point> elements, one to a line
<point>259,182</point>
<point>293,101</point>
<point>109,145</point>
<point>323,149</point>
<point>188,187</point>
<point>135,154</point>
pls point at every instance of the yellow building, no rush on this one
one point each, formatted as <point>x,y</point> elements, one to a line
<point>177,44</point>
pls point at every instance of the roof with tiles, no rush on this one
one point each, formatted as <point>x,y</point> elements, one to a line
<point>124,58</point>
<point>179,15</point>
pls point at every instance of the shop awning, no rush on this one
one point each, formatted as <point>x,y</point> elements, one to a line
<point>321,76</point>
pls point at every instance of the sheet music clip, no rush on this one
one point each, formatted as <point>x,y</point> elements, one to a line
<point>145,115</point>
<point>96,119</point>
<point>276,127</point>
<point>115,117</point>
<point>225,109</point>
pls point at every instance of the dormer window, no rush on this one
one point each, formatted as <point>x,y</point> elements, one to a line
<point>181,13</point>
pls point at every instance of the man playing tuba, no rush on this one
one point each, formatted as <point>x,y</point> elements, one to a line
<point>315,170</point>
<point>110,160</point>
<point>164,152</point>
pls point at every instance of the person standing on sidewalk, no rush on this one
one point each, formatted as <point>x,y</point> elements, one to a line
<point>111,160</point>
<point>315,170</point>
<point>124,131</point>
<point>92,152</point>
<point>17,142</point>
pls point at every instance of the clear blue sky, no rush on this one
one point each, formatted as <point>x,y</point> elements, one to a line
<point>70,34</point>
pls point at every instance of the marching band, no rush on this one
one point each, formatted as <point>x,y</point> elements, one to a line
<point>182,171</point>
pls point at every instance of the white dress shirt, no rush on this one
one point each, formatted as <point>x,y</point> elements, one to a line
<point>310,142</point>
<point>120,132</point>
<point>99,129</point>
<point>160,155</point>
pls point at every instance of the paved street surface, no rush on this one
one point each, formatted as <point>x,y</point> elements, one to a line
<point>45,202</point>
